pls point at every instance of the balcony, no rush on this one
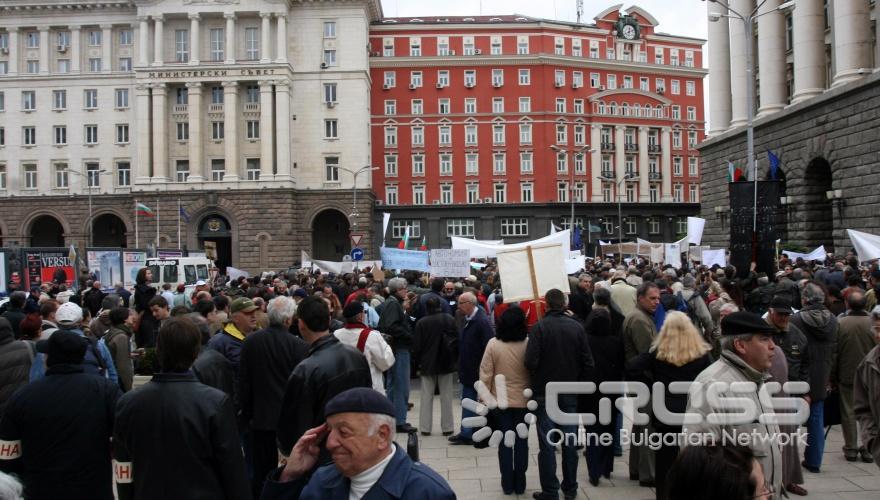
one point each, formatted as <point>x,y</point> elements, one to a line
<point>607,146</point>
<point>631,174</point>
<point>180,108</point>
<point>251,107</point>
<point>654,149</point>
<point>215,108</point>
<point>608,174</point>
<point>631,147</point>
<point>654,176</point>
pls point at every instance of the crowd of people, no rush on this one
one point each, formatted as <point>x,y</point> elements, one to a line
<point>284,385</point>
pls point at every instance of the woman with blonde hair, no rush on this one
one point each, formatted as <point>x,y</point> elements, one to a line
<point>678,354</point>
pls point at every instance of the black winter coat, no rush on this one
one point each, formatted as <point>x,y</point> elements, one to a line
<point>821,328</point>
<point>394,321</point>
<point>435,344</point>
<point>214,370</point>
<point>178,439</point>
<point>558,351</point>
<point>142,295</point>
<point>16,357</point>
<point>648,369</point>
<point>606,346</point>
<point>330,368</point>
<point>471,345</point>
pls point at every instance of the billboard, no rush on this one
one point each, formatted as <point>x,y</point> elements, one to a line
<point>45,265</point>
<point>105,266</point>
<point>132,261</point>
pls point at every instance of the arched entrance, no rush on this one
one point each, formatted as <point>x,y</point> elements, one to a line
<point>330,236</point>
<point>217,229</point>
<point>108,230</point>
<point>46,231</point>
<point>815,213</point>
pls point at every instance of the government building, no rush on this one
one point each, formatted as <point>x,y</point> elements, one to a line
<point>817,96</point>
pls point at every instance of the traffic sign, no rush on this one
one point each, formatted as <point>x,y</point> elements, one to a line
<point>356,239</point>
<point>357,254</point>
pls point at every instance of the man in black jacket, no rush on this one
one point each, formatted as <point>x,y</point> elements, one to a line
<point>435,349</point>
<point>475,334</point>
<point>421,309</point>
<point>15,311</point>
<point>55,432</point>
<point>176,437</point>
<point>267,359</point>
<point>394,321</point>
<point>330,368</point>
<point>581,298</point>
<point>558,351</point>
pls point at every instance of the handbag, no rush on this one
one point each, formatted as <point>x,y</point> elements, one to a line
<point>832,408</point>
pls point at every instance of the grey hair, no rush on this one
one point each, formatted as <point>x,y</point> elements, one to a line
<point>728,308</point>
<point>727,341</point>
<point>875,313</point>
<point>10,487</point>
<point>379,419</point>
<point>395,284</point>
<point>280,310</point>
<point>812,295</point>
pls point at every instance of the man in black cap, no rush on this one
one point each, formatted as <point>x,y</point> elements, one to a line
<point>747,350</point>
<point>359,434</point>
<point>55,432</point>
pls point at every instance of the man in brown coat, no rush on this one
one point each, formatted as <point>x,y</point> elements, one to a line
<point>118,340</point>
<point>866,394</point>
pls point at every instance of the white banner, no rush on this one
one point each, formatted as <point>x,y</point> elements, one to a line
<point>867,245</point>
<point>328,266</point>
<point>450,263</point>
<point>695,230</point>
<point>234,273</point>
<point>818,254</point>
<point>673,255</point>
<point>549,271</point>
<point>712,257</point>
<point>657,253</point>
<point>483,249</point>
<point>306,261</point>
<point>575,264</point>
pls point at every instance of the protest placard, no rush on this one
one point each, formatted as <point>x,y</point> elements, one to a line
<point>450,262</point>
<point>395,258</point>
<point>531,271</point>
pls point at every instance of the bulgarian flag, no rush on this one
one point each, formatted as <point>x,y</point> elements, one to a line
<point>405,241</point>
<point>424,243</point>
<point>141,209</point>
<point>734,173</point>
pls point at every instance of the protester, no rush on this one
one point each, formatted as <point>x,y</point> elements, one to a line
<point>366,340</point>
<point>719,473</point>
<point>435,351</point>
<point>16,357</point>
<point>866,393</point>
<point>15,311</point>
<point>242,323</point>
<point>118,342</point>
<point>475,334</point>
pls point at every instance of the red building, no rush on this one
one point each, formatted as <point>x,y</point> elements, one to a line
<point>494,127</point>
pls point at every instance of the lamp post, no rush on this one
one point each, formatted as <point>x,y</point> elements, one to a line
<point>87,177</point>
<point>748,25</point>
<point>628,176</point>
<point>578,151</point>
<point>354,174</point>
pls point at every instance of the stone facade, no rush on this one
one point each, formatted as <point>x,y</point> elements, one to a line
<point>828,143</point>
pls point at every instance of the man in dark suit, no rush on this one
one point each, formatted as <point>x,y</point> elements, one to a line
<point>475,334</point>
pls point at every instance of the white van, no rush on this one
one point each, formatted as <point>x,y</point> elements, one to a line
<point>176,270</point>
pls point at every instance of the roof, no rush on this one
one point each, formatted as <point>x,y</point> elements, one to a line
<point>509,18</point>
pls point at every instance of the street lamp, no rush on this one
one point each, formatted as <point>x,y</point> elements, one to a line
<point>628,176</point>
<point>748,22</point>
<point>355,173</point>
<point>579,151</point>
<point>88,177</point>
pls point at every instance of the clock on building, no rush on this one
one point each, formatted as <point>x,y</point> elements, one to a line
<point>629,32</point>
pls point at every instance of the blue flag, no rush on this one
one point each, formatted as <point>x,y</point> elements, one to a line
<point>184,215</point>
<point>576,238</point>
<point>774,165</point>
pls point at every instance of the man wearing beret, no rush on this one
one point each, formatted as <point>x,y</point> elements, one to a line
<point>747,351</point>
<point>367,464</point>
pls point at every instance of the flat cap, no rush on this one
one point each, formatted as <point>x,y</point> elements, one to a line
<point>242,304</point>
<point>359,400</point>
<point>353,308</point>
<point>745,323</point>
<point>781,304</point>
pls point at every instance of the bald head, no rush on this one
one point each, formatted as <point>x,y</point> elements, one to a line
<point>856,301</point>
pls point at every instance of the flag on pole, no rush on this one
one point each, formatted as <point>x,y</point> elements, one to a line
<point>775,173</point>
<point>424,246</point>
<point>141,209</point>
<point>184,214</point>
<point>576,238</point>
<point>734,173</point>
<point>405,241</point>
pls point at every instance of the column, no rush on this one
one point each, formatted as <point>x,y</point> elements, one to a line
<point>738,79</point>
<point>644,189</point>
<point>265,37</point>
<point>666,165</point>
<point>13,50</point>
<point>267,142</point>
<point>143,41</point>
<point>194,40</point>
<point>281,49</point>
<point>106,48</point>
<point>44,50</point>
<point>808,21</point>
<point>194,110</point>
<point>158,39</point>
<point>160,133</point>
<point>852,41</point>
<point>142,134</point>
<point>230,129</point>
<point>75,43</point>
<point>771,51</point>
<point>719,65</point>
<point>230,38</point>
<point>619,159</point>
<point>282,128</point>
<point>596,161</point>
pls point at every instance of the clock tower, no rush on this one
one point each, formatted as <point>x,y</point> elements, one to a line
<point>627,27</point>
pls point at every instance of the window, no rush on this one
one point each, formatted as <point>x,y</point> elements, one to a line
<point>470,135</point>
<point>526,192</point>
<point>579,135</point>
<point>30,176</point>
<point>676,166</point>
<point>389,79</point>
<point>2,101</point>
<point>418,165</point>
<point>499,164</point>
<point>526,165</point>
<point>627,82</point>
<point>331,168</point>
<point>418,194</point>
<point>415,79</point>
<point>445,135</point>
<point>498,105</point>
<point>689,54</point>
<point>595,80</point>
<point>4,40</point>
<point>122,133</point>
<point>443,78</point>
<point>561,134</point>
<point>631,224</point>
<point>559,46</point>
<point>497,77</point>
<point>388,47</point>
<point>580,166</point>
<point>252,45</point>
<point>525,77</point>
<point>612,82</point>
<point>525,133</point>
<point>28,100</point>
<point>471,164</point>
<point>94,38</point>
<point>443,106</point>
<point>398,228</point>
<point>606,194</point>
<point>181,45</point>
<point>692,193</point>
<point>123,174</point>
<point>181,171</point>
<point>91,135</point>
<point>446,194</point>
<point>561,163</point>
<point>473,193</point>
<point>391,136</point>
<point>415,47</point>
<point>33,40</point>
<point>525,104</point>
<point>660,84</point>
<point>470,78</point>
<point>59,133</point>
<point>93,174</point>
<point>330,129</point>
<point>59,99</point>
<point>417,106</point>
<point>217,131</point>
<point>2,136</point>
<point>442,46</point>
<point>390,165</point>
<point>498,134</point>
<point>90,98</point>
<point>579,106</point>
<point>675,86</point>
<point>329,58</point>
<point>391,195</point>
<point>495,47</point>
<point>673,57</point>
<point>692,139</point>
<point>576,48</point>
<point>125,37</point>
<point>562,192</point>
<point>470,105</point>
<point>577,79</point>
<point>692,113</point>
<point>690,88</point>
<point>253,129</point>
<point>95,65</point>
<point>692,166</point>
<point>522,45</point>
<point>677,193</point>
<point>218,42</point>
<point>252,169</point>
<point>218,170</point>
<point>63,66</point>
<point>468,46</point>
<point>560,105</point>
<point>514,226</point>
<point>182,131</point>
<point>658,55</point>
<point>29,136</point>
<point>460,227</point>
<point>445,164</point>
<point>676,139</point>
<point>418,136</point>
<point>252,94</point>
<point>329,29</point>
<point>654,195</point>
<point>500,191</point>
<point>216,95</point>
<point>676,112</point>
<point>329,92</point>
<point>559,78</point>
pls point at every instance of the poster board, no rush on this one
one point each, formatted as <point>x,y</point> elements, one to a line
<point>132,262</point>
<point>547,266</point>
<point>450,262</point>
<point>106,266</point>
<point>411,260</point>
<point>712,257</point>
<point>672,255</point>
<point>44,265</point>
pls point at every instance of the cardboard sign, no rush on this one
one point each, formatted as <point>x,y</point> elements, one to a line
<point>450,263</point>
<point>712,257</point>
<point>524,278</point>
<point>673,255</point>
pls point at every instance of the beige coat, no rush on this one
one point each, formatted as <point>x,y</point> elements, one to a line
<point>508,359</point>
<point>624,296</point>
<point>866,401</point>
